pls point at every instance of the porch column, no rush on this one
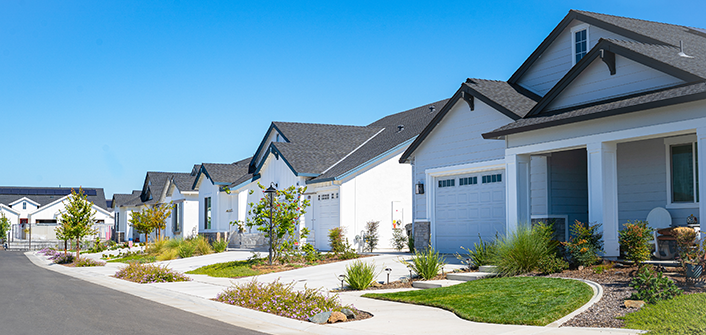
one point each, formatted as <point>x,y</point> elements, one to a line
<point>701,173</point>
<point>517,169</point>
<point>603,192</point>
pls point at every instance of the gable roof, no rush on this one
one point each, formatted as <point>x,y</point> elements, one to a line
<point>509,99</point>
<point>46,195</point>
<point>183,181</point>
<point>389,138</point>
<point>224,174</point>
<point>120,199</point>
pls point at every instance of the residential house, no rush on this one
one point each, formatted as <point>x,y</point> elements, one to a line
<point>351,172</point>
<point>605,121</point>
<point>39,209</point>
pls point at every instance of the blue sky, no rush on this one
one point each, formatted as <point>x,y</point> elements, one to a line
<point>96,93</point>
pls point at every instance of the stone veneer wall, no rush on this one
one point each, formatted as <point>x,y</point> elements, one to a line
<point>422,235</point>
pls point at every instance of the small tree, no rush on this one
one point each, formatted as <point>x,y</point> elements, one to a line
<point>371,235</point>
<point>78,217</point>
<point>287,207</point>
<point>153,218</point>
<point>4,227</point>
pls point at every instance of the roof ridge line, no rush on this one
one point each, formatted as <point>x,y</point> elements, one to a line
<point>354,150</point>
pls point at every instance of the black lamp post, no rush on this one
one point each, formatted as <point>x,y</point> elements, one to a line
<point>271,194</point>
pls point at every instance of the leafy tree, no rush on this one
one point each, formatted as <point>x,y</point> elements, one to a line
<point>63,233</point>
<point>287,207</point>
<point>4,227</point>
<point>79,217</point>
<point>151,219</point>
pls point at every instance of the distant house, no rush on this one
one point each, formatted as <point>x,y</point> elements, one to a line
<point>604,122</point>
<point>39,208</point>
<point>222,195</point>
<point>351,172</point>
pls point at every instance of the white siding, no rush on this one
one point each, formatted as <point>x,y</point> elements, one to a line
<point>556,60</point>
<point>457,140</point>
<point>271,137</point>
<point>596,83</point>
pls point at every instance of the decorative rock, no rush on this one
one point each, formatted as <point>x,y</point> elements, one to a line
<point>375,284</point>
<point>320,318</point>
<point>634,303</point>
<point>349,313</point>
<point>336,317</point>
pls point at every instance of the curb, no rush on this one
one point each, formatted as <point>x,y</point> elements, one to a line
<point>597,295</point>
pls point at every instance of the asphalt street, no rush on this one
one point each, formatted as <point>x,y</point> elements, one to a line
<point>39,301</point>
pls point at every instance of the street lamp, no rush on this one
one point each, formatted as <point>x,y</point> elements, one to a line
<point>271,194</point>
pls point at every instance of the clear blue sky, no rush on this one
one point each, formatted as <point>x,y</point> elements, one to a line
<point>96,93</point>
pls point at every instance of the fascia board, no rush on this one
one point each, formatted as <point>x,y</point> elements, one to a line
<point>24,199</point>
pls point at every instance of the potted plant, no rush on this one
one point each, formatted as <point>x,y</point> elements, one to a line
<point>691,255</point>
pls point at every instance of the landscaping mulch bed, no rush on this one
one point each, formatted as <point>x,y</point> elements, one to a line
<point>616,289</point>
<point>276,267</point>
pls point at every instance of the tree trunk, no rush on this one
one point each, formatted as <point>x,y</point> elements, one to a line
<point>66,246</point>
<point>78,248</point>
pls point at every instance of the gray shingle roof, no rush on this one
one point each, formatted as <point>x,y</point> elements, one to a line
<point>183,181</point>
<point>512,97</point>
<point>227,173</point>
<point>413,121</point>
<point>45,199</point>
<point>122,199</point>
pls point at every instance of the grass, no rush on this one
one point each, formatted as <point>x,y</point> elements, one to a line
<point>233,269</point>
<point>682,315</point>
<point>140,258</point>
<point>508,300</point>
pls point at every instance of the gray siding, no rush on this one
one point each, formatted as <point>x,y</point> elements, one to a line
<point>457,140</point>
<point>596,83</point>
<point>642,182</point>
<point>568,180</point>
<point>556,61</point>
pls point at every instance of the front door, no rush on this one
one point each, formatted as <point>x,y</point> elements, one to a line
<point>24,228</point>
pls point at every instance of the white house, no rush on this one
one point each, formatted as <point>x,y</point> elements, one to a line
<point>183,222</point>
<point>607,122</point>
<point>351,172</point>
<point>39,208</point>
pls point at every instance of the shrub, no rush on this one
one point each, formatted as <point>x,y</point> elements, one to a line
<point>585,244</point>
<point>149,273</point>
<point>158,246</point>
<point>173,243</point>
<point>410,244</point>
<point>652,286</point>
<point>349,253</point>
<point>220,246</point>
<point>168,254</point>
<point>336,240</point>
<point>552,264</point>
<point>371,235</point>
<point>185,250</point>
<point>281,299</point>
<point>399,238</point>
<point>201,246</point>
<point>427,263</point>
<point>359,275</point>
<point>63,258</point>
<point>520,252</point>
<point>634,241</point>
<point>481,254</point>
<point>86,262</point>
<point>311,254</point>
<point>689,252</point>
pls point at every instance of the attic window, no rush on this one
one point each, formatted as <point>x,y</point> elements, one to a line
<point>579,38</point>
<point>277,137</point>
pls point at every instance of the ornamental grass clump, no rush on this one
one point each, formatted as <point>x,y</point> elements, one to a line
<point>149,273</point>
<point>281,299</point>
<point>359,274</point>
<point>86,262</point>
<point>481,254</point>
<point>427,263</point>
<point>219,246</point>
<point>523,250</point>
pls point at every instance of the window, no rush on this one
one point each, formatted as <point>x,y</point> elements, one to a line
<point>46,222</point>
<point>579,39</point>
<point>467,181</point>
<point>117,221</point>
<point>684,179</point>
<point>447,183</point>
<point>324,197</point>
<point>207,213</point>
<point>24,205</point>
<point>176,219</point>
<point>493,178</point>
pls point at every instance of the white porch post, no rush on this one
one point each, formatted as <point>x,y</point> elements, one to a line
<point>701,173</point>
<point>603,192</point>
<point>517,168</point>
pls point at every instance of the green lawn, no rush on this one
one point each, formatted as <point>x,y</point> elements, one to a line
<point>229,269</point>
<point>682,315</point>
<point>509,300</point>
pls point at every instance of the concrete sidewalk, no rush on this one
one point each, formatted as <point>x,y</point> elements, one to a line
<point>389,317</point>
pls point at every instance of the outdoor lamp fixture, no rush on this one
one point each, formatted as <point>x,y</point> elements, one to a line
<point>343,278</point>
<point>468,261</point>
<point>419,188</point>
<point>388,270</point>
<point>410,274</point>
<point>270,191</point>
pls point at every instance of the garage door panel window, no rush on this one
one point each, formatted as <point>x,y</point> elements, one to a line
<point>447,183</point>
<point>494,178</point>
<point>467,181</point>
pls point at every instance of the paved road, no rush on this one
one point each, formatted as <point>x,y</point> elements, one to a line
<point>38,301</point>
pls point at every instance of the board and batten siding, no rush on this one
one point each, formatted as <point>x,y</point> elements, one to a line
<point>596,83</point>
<point>457,140</point>
<point>642,182</point>
<point>568,180</point>
<point>556,60</point>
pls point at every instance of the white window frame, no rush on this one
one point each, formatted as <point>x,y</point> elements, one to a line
<point>574,30</point>
<point>668,143</point>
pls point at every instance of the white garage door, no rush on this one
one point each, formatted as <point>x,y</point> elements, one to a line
<point>466,206</point>
<point>326,217</point>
